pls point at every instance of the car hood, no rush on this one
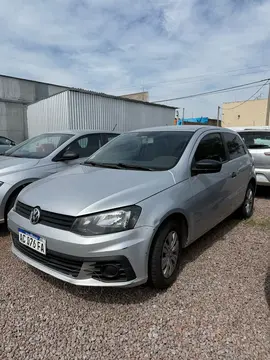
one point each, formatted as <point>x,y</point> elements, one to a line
<point>9,164</point>
<point>83,189</point>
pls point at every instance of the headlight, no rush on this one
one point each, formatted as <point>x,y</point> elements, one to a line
<point>107,222</point>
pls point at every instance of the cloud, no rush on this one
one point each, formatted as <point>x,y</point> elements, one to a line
<point>171,48</point>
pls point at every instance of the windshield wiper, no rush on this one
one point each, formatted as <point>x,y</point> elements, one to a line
<point>258,146</point>
<point>105,165</point>
<point>118,166</point>
<point>10,155</point>
<point>134,167</point>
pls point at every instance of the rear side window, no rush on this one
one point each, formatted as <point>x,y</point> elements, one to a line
<point>211,147</point>
<point>235,145</point>
<point>109,137</point>
<point>85,145</point>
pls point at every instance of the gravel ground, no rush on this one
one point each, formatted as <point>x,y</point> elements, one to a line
<point>218,308</point>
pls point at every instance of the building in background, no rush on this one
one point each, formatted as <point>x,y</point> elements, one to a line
<point>250,113</point>
<point>82,109</point>
<point>141,96</point>
<point>15,95</point>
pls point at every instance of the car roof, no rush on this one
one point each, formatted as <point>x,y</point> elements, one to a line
<point>251,128</point>
<point>192,128</point>
<point>81,132</point>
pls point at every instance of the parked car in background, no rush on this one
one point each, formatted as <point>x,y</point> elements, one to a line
<point>257,140</point>
<point>41,156</point>
<point>5,144</point>
<point>123,216</point>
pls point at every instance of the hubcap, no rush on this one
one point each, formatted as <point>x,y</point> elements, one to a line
<point>249,201</point>
<point>170,254</point>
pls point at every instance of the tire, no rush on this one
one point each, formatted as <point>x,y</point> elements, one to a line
<point>10,205</point>
<point>161,276</point>
<point>246,209</point>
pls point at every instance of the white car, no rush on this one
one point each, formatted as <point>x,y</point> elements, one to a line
<point>257,140</point>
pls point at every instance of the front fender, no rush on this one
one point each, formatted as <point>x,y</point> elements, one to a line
<point>156,209</point>
<point>21,184</point>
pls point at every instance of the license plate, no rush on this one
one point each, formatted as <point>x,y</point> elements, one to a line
<point>35,242</point>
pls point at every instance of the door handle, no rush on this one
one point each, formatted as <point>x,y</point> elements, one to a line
<point>234,174</point>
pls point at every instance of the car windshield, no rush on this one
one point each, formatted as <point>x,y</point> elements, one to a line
<point>39,146</point>
<point>155,150</point>
<point>256,139</point>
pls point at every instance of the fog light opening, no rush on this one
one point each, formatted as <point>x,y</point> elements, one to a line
<point>110,271</point>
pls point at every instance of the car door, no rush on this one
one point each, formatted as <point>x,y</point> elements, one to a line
<point>239,167</point>
<point>209,190</point>
<point>84,146</point>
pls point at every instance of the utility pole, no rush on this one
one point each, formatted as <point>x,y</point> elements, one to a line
<point>218,114</point>
<point>183,114</point>
<point>267,109</point>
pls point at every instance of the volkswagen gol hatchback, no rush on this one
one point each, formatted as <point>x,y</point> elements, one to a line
<point>123,216</point>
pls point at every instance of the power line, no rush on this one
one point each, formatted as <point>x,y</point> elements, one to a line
<point>212,74</point>
<point>198,78</point>
<point>233,90</point>
<point>248,98</point>
<point>212,92</point>
<point>203,78</point>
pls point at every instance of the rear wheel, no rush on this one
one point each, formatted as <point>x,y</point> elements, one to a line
<point>247,208</point>
<point>165,254</point>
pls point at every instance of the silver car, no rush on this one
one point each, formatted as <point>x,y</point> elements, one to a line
<point>257,140</point>
<point>41,156</point>
<point>123,216</point>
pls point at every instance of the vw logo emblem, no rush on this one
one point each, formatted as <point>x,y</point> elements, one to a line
<point>35,215</point>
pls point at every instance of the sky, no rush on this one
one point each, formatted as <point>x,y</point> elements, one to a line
<point>171,48</point>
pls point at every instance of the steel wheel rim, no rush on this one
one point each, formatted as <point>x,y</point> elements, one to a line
<point>249,201</point>
<point>170,254</point>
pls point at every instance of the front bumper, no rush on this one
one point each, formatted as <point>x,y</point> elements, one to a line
<point>263,177</point>
<point>80,260</point>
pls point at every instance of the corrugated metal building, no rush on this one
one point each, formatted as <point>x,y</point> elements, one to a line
<point>15,95</point>
<point>81,109</point>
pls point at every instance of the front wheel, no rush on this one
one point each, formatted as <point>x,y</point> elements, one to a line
<point>9,206</point>
<point>247,208</point>
<point>165,254</point>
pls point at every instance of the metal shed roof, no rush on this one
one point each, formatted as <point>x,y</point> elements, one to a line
<point>90,92</point>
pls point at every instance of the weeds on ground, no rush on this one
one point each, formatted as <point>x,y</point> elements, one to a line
<point>262,223</point>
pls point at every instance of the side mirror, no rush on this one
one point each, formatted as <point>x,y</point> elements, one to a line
<point>206,166</point>
<point>68,155</point>
<point>12,143</point>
